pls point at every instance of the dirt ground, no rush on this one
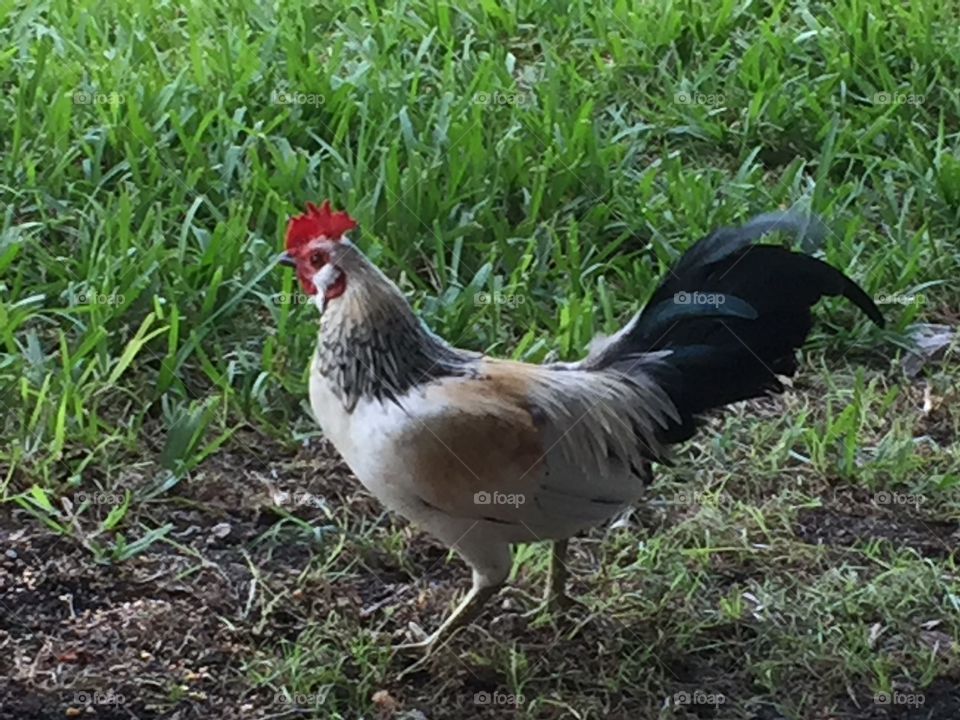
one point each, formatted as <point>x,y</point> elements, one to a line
<point>173,633</point>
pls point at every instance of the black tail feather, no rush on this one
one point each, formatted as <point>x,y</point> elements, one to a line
<point>719,351</point>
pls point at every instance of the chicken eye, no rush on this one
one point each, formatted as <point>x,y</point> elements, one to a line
<point>318,258</point>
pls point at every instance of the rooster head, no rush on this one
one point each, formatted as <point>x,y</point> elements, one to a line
<point>315,246</point>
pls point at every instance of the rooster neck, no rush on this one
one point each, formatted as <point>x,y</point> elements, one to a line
<point>372,346</point>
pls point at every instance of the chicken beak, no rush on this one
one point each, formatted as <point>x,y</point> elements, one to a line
<point>286,259</point>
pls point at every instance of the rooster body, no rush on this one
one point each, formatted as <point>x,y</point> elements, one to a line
<point>482,453</point>
<point>447,446</point>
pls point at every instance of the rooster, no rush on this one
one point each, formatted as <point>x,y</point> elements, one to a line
<point>482,453</point>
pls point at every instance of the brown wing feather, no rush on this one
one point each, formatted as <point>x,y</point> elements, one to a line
<point>559,445</point>
<point>482,438</point>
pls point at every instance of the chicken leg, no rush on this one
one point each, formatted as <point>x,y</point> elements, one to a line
<point>555,598</point>
<point>490,562</point>
<point>465,612</point>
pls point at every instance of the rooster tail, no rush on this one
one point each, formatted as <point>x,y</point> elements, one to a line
<point>729,318</point>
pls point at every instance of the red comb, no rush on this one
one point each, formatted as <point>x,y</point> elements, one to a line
<point>317,222</point>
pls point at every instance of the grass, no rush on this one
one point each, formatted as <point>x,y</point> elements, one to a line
<point>526,171</point>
